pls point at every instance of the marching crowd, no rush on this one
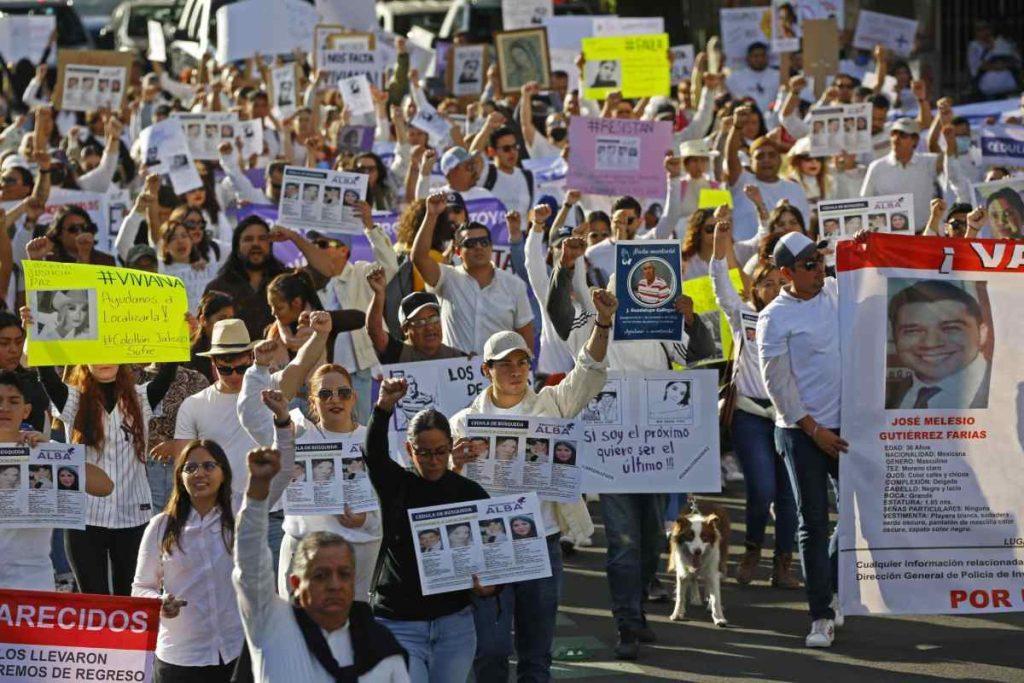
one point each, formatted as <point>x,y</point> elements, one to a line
<point>188,461</point>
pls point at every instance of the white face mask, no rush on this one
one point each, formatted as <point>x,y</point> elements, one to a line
<point>963,144</point>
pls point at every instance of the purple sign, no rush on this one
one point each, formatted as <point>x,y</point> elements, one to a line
<point>608,156</point>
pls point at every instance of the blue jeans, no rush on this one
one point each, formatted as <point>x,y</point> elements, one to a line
<point>753,438</point>
<point>532,606</point>
<point>674,504</point>
<point>635,532</point>
<point>161,482</point>
<point>811,471</point>
<point>440,650</point>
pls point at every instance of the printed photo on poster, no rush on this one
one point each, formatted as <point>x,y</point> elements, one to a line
<point>670,401</point>
<point>940,345</point>
<point>64,314</point>
<point>1003,201</point>
<point>647,277</point>
<point>42,486</point>
<point>522,57</point>
<point>467,69</point>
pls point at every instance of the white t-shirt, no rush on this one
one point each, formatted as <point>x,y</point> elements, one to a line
<point>744,217</point>
<point>808,331</point>
<point>471,313</point>
<point>511,188</point>
<point>26,565</point>
<point>211,414</point>
<point>762,86</point>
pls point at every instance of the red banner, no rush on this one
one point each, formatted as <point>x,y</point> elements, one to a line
<point>938,254</point>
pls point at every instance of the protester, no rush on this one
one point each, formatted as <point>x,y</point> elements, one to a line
<point>420,317</point>
<point>437,631</point>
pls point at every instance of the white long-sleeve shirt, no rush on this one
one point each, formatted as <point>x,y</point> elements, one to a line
<point>555,355</point>
<point>748,373</point>
<point>279,652</point>
<point>208,630</point>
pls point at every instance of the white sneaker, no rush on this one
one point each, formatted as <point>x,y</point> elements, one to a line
<point>839,613</point>
<point>823,632</point>
<point>731,468</point>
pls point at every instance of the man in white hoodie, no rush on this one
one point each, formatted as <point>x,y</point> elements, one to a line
<point>531,605</point>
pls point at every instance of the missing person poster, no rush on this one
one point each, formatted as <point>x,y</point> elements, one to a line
<point>355,92</point>
<point>932,480</point>
<point>648,274</point>
<point>606,155</point>
<point>741,27</point>
<point>76,637</point>
<point>98,314</point>
<point>446,385</point>
<point>841,128</point>
<point>635,65</point>
<point>205,131</point>
<point>283,89</point>
<point>525,13</point>
<point>652,432</point>
<point>42,487</point>
<point>96,204</point>
<point>516,454</point>
<point>682,63</point>
<point>91,79</point>
<point>500,540</point>
<point>842,219</point>
<point>320,199</point>
<point>1003,201</point>
<point>165,151</point>
<point>327,477</point>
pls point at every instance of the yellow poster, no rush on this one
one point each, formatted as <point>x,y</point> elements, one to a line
<point>637,66</point>
<point>706,306</point>
<point>97,315</point>
<point>710,198</point>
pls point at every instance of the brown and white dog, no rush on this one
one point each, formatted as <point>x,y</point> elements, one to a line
<point>698,551</point>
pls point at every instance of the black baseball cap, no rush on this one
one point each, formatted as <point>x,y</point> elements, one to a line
<point>414,303</point>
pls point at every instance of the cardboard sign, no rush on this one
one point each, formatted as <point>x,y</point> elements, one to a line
<point>91,79</point>
<point>821,51</point>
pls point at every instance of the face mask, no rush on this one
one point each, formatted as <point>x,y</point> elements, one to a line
<point>963,144</point>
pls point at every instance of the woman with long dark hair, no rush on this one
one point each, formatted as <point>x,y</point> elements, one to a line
<point>213,307</point>
<point>72,235</point>
<point>204,199</point>
<point>185,560</point>
<point>379,192</point>
<point>697,242</point>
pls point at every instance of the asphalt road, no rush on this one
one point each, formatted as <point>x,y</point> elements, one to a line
<point>765,639</point>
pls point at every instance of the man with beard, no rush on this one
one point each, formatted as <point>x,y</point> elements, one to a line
<point>246,273</point>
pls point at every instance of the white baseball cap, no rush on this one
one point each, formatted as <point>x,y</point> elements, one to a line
<point>500,344</point>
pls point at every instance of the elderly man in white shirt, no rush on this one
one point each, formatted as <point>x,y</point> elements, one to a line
<point>905,170</point>
<point>476,298</point>
<point>325,636</point>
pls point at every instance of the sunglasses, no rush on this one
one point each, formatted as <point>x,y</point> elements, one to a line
<point>9,180</point>
<point>231,370</point>
<point>369,168</point>
<point>475,242</point>
<point>811,264</point>
<point>344,393</point>
<point>957,224</point>
<point>507,148</point>
<point>327,244</point>
<point>207,466</point>
<point>76,229</point>
<point>194,225</point>
<point>432,320</point>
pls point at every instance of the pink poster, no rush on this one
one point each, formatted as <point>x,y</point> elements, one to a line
<point>618,156</point>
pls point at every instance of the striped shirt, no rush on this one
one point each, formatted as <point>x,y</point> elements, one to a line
<point>131,503</point>
<point>654,292</point>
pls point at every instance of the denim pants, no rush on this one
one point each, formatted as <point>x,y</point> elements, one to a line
<point>440,650</point>
<point>531,606</point>
<point>635,532</point>
<point>362,383</point>
<point>753,438</point>
<point>811,471</point>
<point>161,482</point>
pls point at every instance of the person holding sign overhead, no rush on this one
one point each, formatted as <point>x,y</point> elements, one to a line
<point>26,561</point>
<point>438,630</point>
<point>531,605</point>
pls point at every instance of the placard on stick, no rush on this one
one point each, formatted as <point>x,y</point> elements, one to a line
<point>93,58</point>
<point>821,51</point>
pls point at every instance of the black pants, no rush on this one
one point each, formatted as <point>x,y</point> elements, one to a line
<point>90,551</point>
<point>172,673</point>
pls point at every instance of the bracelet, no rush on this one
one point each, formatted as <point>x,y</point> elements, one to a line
<point>603,327</point>
<point>44,171</point>
<point>287,421</point>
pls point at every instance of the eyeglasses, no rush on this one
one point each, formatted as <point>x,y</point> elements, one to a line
<point>507,148</point>
<point>368,168</point>
<point>9,180</point>
<point>208,466</point>
<point>472,242</point>
<point>78,228</point>
<point>230,370</point>
<point>811,264</point>
<point>344,393</point>
<point>437,453</point>
<point>327,244</point>
<point>432,320</point>
<point>194,225</point>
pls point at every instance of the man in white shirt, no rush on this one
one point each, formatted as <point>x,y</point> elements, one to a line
<point>798,346</point>
<point>765,162</point>
<point>503,177</point>
<point>758,80</point>
<point>326,636</point>
<point>905,170</point>
<point>939,332</point>
<point>476,298</point>
<point>461,169</point>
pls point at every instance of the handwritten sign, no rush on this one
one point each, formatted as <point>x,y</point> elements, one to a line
<point>636,66</point>
<point>607,155</point>
<point>653,432</point>
<point>98,314</point>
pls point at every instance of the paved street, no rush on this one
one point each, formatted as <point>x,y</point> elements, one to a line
<point>765,639</point>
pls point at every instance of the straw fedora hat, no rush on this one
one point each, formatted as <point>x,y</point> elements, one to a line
<point>229,336</point>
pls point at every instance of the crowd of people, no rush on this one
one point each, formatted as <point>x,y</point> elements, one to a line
<point>188,461</point>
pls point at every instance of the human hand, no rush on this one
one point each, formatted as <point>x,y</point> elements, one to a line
<point>275,400</point>
<point>828,441</point>
<point>605,303</point>
<point>377,280</point>
<point>264,352</point>
<point>39,248</point>
<point>320,322</point>
<point>436,204</point>
<point>540,214</point>
<point>351,520</point>
<point>170,607</point>
<point>684,306</point>
<point>391,392</point>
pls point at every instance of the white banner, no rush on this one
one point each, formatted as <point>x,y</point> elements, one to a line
<point>271,27</point>
<point>931,504</point>
<point>328,476</point>
<point>895,33</point>
<point>42,487</point>
<point>655,432</point>
<point>344,62</point>
<point>319,199</point>
<point>500,540</point>
<point>358,15</point>
<point>516,454</point>
<point>1002,145</point>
